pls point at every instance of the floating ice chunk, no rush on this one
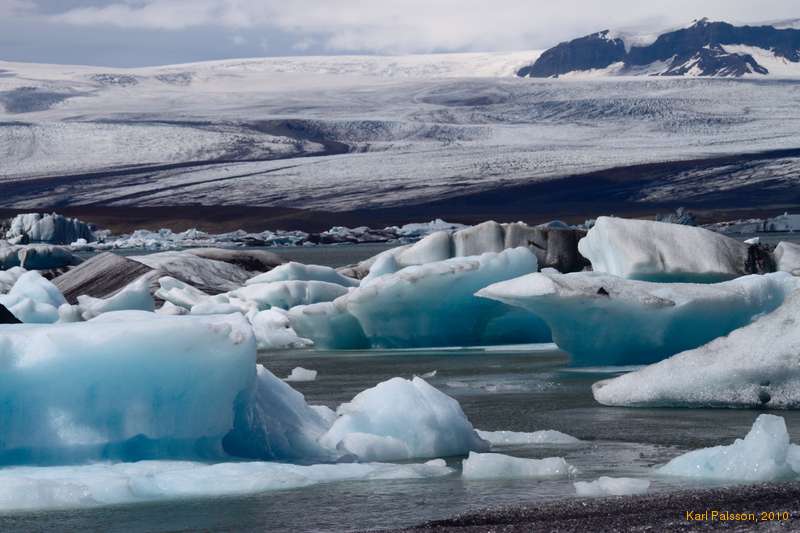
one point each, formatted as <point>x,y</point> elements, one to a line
<point>401,419</point>
<point>288,294</point>
<point>603,319</point>
<point>273,331</point>
<point>9,277</point>
<point>300,272</point>
<point>486,237</point>
<point>658,251</point>
<point>434,304</point>
<point>301,374</point>
<point>273,421</point>
<point>612,486</point>
<point>179,293</point>
<point>787,256</point>
<point>170,309</point>
<point>428,375</point>
<point>33,299</point>
<point>518,438</point>
<point>135,296</point>
<point>60,487</point>
<point>329,325</point>
<point>756,365</point>
<point>49,228</point>
<point>499,466</point>
<point>125,385</point>
<point>763,455</point>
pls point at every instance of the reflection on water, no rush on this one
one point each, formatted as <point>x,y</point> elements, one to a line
<point>522,389</point>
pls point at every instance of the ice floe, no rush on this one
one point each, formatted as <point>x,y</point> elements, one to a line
<point>519,438</point>
<point>301,374</point>
<point>604,319</point>
<point>499,466</point>
<point>757,365</point>
<point>612,486</point>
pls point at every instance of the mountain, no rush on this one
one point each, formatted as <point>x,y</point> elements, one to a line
<point>705,48</point>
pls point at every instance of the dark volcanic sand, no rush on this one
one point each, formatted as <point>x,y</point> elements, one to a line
<point>661,512</point>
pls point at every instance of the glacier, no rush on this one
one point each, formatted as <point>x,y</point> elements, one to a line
<point>498,466</point>
<point>604,319</point>
<point>402,419</point>
<point>757,365</point>
<point>765,454</point>
<point>659,251</point>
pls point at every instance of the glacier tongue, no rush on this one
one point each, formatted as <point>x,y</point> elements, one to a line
<point>658,251</point>
<point>757,365</point>
<point>604,319</point>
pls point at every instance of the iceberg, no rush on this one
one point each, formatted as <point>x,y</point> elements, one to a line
<point>48,228</point>
<point>288,294</point>
<point>606,320</point>
<point>611,486</point>
<point>499,466</point>
<point>68,487</point>
<point>273,331</point>
<point>293,271</point>
<point>33,299</point>
<point>329,325</point>
<point>402,419</point>
<point>662,252</point>
<point>9,277</point>
<point>207,275</point>
<point>787,257</point>
<point>755,366</point>
<point>179,293</point>
<point>519,438</point>
<point>135,296</point>
<point>765,454</point>
<point>301,374</point>
<point>434,304</point>
<point>123,386</point>
<point>35,256</point>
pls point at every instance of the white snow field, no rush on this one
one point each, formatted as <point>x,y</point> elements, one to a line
<point>402,419</point>
<point>431,304</point>
<point>348,133</point>
<point>70,487</point>
<point>611,486</point>
<point>499,466</point>
<point>657,251</point>
<point>602,319</point>
<point>757,365</point>
<point>765,454</point>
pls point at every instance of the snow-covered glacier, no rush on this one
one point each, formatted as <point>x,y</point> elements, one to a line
<point>757,365</point>
<point>658,251</point>
<point>603,319</point>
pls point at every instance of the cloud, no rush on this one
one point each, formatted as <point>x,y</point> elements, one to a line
<point>17,8</point>
<point>396,26</point>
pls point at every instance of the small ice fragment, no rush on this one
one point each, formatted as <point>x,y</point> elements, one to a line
<point>499,466</point>
<point>302,374</point>
<point>612,486</point>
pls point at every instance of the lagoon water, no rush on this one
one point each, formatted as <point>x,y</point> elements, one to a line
<point>520,388</point>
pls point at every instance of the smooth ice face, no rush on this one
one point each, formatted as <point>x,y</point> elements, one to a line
<point>434,305</point>
<point>787,256</point>
<point>33,299</point>
<point>61,487</point>
<point>301,374</point>
<point>658,251</point>
<point>611,486</point>
<point>755,366</point>
<point>401,419</point>
<point>519,438</point>
<point>606,320</point>
<point>288,294</point>
<point>485,237</point>
<point>293,271</point>
<point>763,455</point>
<point>499,466</point>
<point>127,388</point>
<point>329,325</point>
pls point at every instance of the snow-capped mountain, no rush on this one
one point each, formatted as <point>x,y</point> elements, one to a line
<point>705,48</point>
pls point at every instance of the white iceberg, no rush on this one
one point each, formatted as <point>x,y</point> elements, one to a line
<point>499,466</point>
<point>401,419</point>
<point>49,228</point>
<point>604,319</point>
<point>434,304</point>
<point>273,331</point>
<point>301,374</point>
<point>179,293</point>
<point>135,296</point>
<point>519,438</point>
<point>765,454</point>
<point>787,257</point>
<point>288,294</point>
<point>9,277</point>
<point>33,299</point>
<point>68,487</point>
<point>293,271</point>
<point>659,251</point>
<point>612,486</point>
<point>754,366</point>
<point>125,386</point>
<point>35,256</point>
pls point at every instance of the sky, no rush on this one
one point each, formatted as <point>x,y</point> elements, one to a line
<point>130,33</point>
